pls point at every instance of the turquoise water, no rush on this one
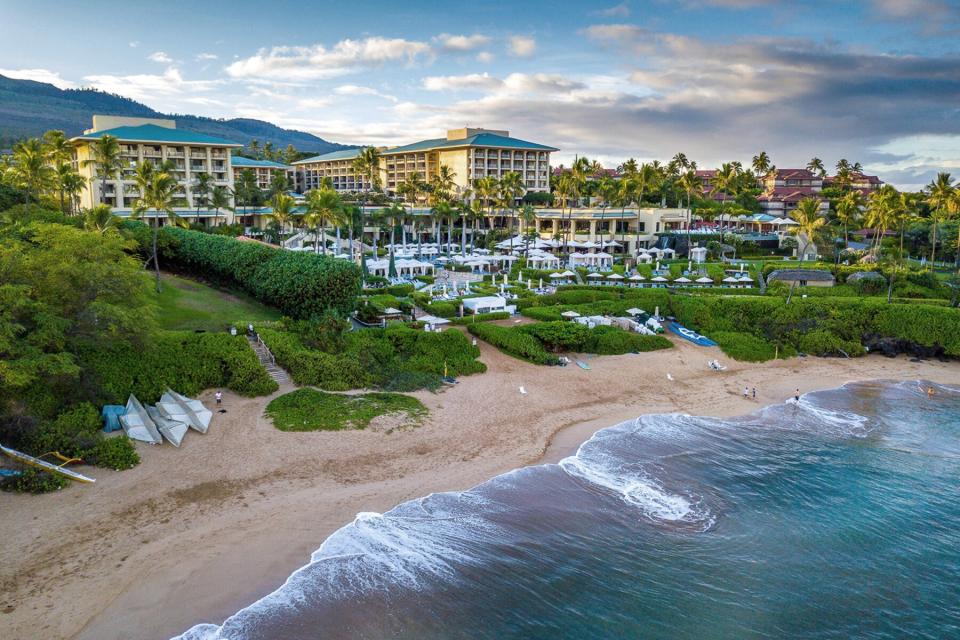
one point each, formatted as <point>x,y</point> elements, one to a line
<point>837,517</point>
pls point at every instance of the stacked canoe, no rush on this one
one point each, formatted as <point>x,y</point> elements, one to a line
<point>170,418</point>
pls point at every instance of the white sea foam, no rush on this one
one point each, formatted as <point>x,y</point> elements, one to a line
<point>637,491</point>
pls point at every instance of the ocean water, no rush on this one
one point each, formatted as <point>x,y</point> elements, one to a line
<point>837,517</point>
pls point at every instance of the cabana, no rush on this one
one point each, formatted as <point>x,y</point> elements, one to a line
<point>659,281</point>
<point>487,304</point>
<point>433,321</point>
<point>698,254</point>
<point>412,267</point>
<point>644,257</point>
<point>543,261</point>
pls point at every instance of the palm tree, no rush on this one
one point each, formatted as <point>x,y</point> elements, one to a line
<point>848,210</point>
<point>72,184</point>
<point>816,166</point>
<point>220,199</point>
<point>486,189</point>
<point>564,189</point>
<point>323,205</point>
<point>106,160</point>
<point>29,169</point>
<point>511,189</point>
<point>647,175</point>
<point>268,150</point>
<point>761,164</point>
<point>245,191</point>
<point>529,217</point>
<point>809,221</point>
<point>844,173</point>
<point>283,206</point>
<point>201,190</point>
<point>443,183</point>
<point>443,210</point>
<point>691,183</point>
<point>100,218</point>
<point>158,193</point>
<point>367,166</point>
<point>255,148</point>
<point>939,196</point>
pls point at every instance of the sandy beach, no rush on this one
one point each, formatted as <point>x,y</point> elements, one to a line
<point>196,533</point>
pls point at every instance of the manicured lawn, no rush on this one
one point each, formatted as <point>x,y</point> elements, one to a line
<point>188,305</point>
<point>312,410</point>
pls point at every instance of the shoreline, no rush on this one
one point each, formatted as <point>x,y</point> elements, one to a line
<point>249,504</point>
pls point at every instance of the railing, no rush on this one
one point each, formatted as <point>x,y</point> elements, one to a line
<point>264,346</point>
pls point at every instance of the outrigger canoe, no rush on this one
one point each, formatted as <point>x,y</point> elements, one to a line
<point>49,467</point>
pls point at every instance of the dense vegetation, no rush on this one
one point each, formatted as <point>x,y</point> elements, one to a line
<point>301,285</point>
<point>538,342</point>
<point>397,358</point>
<point>78,330</point>
<point>312,410</point>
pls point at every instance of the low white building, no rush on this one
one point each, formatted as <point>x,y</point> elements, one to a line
<point>488,304</point>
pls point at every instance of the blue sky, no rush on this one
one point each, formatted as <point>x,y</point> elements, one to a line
<point>875,81</point>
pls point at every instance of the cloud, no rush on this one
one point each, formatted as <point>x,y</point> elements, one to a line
<point>355,90</point>
<point>39,75</point>
<point>485,57</point>
<point>731,4</point>
<point>932,15</point>
<point>134,44</point>
<point>621,10</point>
<point>472,81</point>
<point>160,56</point>
<point>146,87</point>
<point>522,46</point>
<point>206,56</point>
<point>318,62</point>
<point>461,43</point>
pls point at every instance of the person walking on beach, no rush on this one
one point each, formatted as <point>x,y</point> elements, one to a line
<point>746,392</point>
<point>754,393</point>
<point>796,397</point>
<point>219,396</point>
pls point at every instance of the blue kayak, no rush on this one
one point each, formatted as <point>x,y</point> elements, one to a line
<point>692,335</point>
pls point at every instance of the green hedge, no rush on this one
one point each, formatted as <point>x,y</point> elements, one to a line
<point>186,362</point>
<point>513,342</point>
<point>481,317</point>
<point>300,284</point>
<point>397,358</point>
<point>603,340</point>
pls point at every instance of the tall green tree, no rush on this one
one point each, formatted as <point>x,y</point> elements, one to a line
<point>848,209</point>
<point>323,206</point>
<point>283,206</point>
<point>106,160</point>
<point>158,193</point>
<point>366,166</point>
<point>202,184</point>
<point>939,195</point>
<point>29,169</point>
<point>809,221</point>
<point>220,201</point>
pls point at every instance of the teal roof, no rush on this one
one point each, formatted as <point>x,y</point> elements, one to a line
<point>154,133</point>
<point>478,140</point>
<point>345,154</point>
<point>240,161</point>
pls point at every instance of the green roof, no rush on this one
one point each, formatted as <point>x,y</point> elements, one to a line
<point>478,140</point>
<point>344,154</point>
<point>240,161</point>
<point>154,133</point>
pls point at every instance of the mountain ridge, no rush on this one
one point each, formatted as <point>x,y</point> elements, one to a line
<point>29,108</point>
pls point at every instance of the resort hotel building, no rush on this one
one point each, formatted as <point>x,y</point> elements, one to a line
<point>264,171</point>
<point>158,141</point>
<point>469,153</point>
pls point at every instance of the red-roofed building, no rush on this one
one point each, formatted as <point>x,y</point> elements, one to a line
<point>861,182</point>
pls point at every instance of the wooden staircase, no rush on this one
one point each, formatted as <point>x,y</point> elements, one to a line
<point>268,361</point>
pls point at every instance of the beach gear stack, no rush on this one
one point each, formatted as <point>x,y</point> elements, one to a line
<point>170,418</point>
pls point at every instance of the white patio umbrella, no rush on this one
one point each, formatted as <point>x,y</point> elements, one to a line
<point>730,279</point>
<point>570,314</point>
<point>594,275</point>
<point>569,274</point>
<point>635,312</point>
<point>614,276</point>
<point>637,278</point>
<point>683,280</point>
<point>659,279</point>
<point>705,280</point>
<point>556,275</point>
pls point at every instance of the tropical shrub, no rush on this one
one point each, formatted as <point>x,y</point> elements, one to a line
<point>481,317</point>
<point>513,342</point>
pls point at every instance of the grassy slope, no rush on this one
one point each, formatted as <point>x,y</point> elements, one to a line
<point>188,305</point>
<point>312,410</point>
